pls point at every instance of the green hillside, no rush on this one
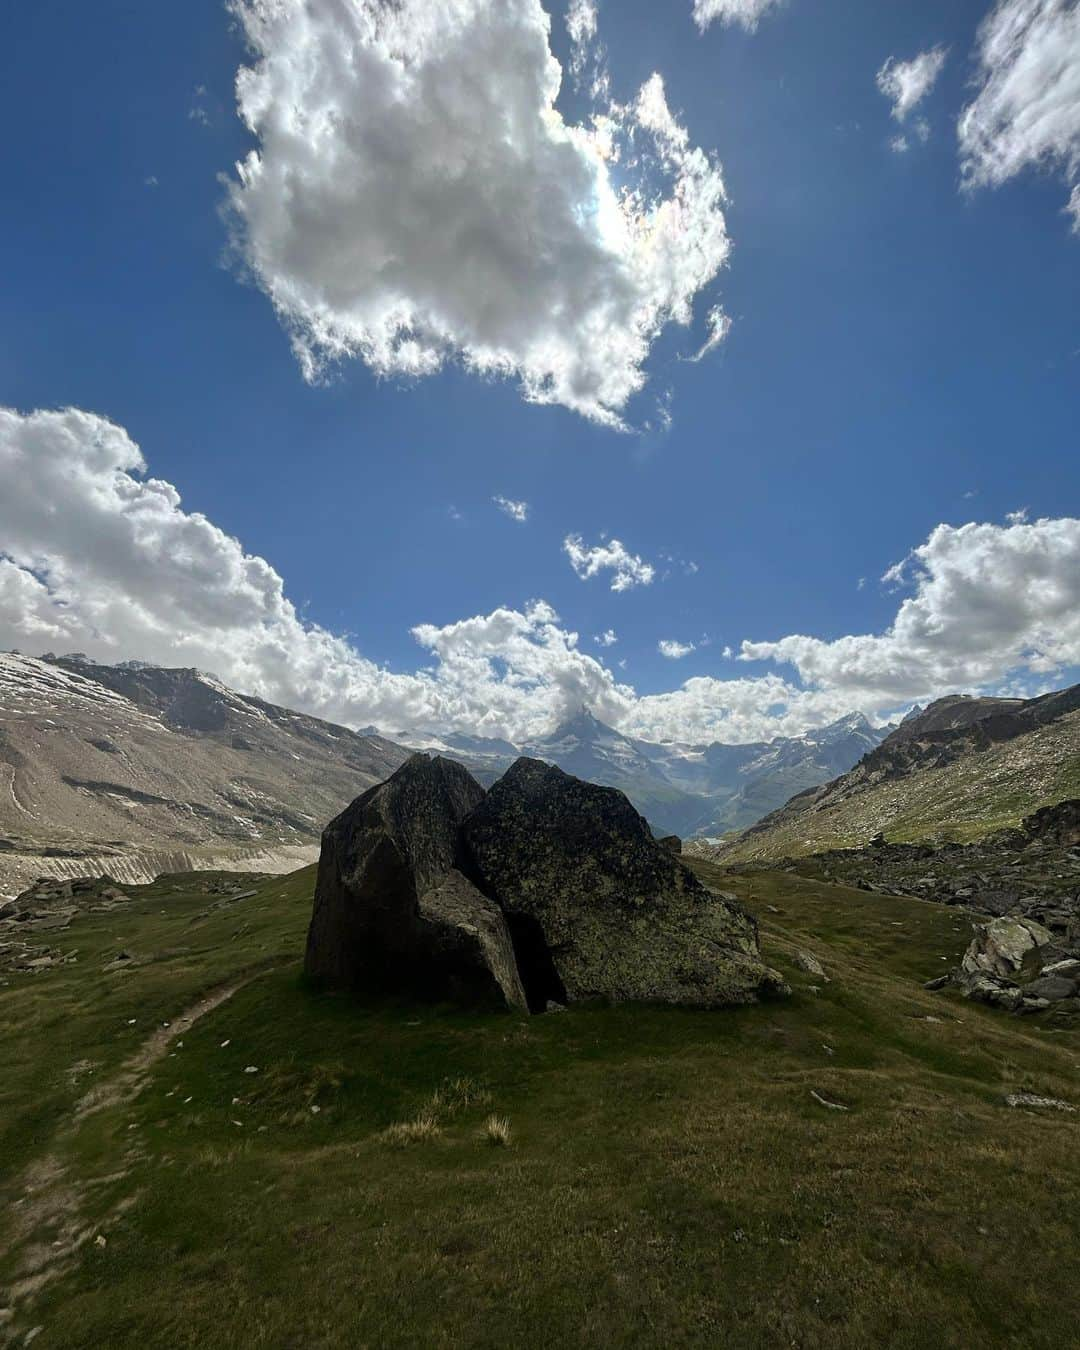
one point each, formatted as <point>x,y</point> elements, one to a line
<point>979,793</point>
<point>669,1178</point>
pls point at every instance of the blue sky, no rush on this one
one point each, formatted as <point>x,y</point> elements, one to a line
<point>903,355</point>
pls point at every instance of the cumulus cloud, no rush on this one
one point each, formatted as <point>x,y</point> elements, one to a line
<point>744,12</point>
<point>416,197</point>
<point>98,556</point>
<point>608,638</point>
<point>518,511</point>
<point>626,568</point>
<point>906,83</point>
<point>673,650</point>
<point>1026,112</point>
<point>987,600</point>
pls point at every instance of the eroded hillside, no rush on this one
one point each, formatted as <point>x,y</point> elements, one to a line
<point>136,771</point>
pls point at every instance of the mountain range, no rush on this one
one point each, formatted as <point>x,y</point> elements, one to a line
<point>681,789</point>
<point>134,770</point>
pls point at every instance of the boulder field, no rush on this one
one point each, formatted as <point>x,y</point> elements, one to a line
<point>543,890</point>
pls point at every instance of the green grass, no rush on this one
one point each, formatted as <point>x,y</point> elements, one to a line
<point>980,793</point>
<point>668,1178</point>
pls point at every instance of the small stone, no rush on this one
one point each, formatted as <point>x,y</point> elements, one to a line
<point>811,965</point>
<point>100,1241</point>
<point>251,1068</point>
<point>224,1044</point>
<point>315,1110</point>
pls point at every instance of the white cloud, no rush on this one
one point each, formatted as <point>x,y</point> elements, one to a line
<point>989,600</point>
<point>417,198</point>
<point>673,650</point>
<point>581,22</point>
<point>99,557</point>
<point>606,639</point>
<point>744,12</point>
<point>518,511</point>
<point>906,83</point>
<point>1027,110</point>
<point>198,111</point>
<point>627,569</point>
<point>719,326</point>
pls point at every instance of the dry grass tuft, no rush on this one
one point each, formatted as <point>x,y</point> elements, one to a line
<point>406,1132</point>
<point>456,1095</point>
<point>497,1131</point>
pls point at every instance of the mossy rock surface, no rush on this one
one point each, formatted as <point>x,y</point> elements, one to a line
<point>599,909</point>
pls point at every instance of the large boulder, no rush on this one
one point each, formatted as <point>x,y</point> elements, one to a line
<point>1015,963</point>
<point>598,909</point>
<point>393,913</point>
<point>1007,948</point>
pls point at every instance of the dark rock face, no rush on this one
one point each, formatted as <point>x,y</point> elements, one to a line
<point>1059,824</point>
<point>392,912</point>
<point>597,907</point>
<point>671,842</point>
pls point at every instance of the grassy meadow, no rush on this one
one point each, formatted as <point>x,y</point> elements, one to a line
<point>301,1169</point>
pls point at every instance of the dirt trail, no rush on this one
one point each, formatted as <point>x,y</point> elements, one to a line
<point>129,1079</point>
<point>46,1226</point>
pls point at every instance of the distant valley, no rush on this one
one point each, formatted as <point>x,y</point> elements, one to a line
<point>681,789</point>
<point>136,770</point>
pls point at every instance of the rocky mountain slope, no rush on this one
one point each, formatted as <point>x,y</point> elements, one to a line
<point>680,789</point>
<point>135,770</point>
<point>959,769</point>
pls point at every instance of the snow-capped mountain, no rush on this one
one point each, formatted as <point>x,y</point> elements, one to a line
<point>681,789</point>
